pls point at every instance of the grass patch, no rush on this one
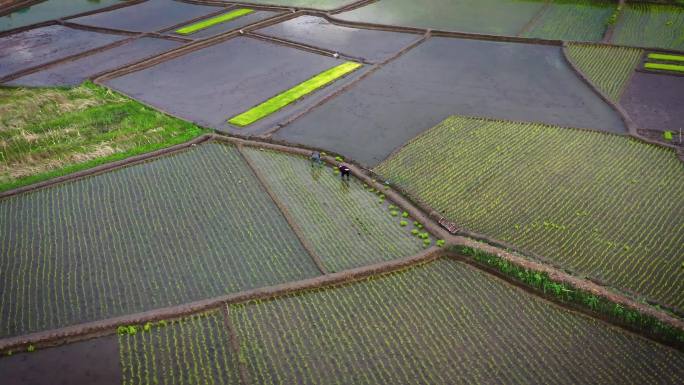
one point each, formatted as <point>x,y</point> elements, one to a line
<point>664,67</point>
<point>281,100</point>
<point>49,132</point>
<point>660,56</point>
<point>212,21</point>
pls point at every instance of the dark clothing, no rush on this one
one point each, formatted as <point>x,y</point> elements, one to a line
<point>344,171</point>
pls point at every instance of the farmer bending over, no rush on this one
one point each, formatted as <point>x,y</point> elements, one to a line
<point>344,170</point>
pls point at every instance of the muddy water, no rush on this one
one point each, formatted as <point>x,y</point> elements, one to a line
<point>49,10</point>
<point>501,17</point>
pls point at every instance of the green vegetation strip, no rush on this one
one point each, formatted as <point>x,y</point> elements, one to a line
<point>591,202</point>
<point>665,57</point>
<point>570,294</point>
<point>664,67</point>
<point>50,132</point>
<point>204,24</point>
<point>281,100</point>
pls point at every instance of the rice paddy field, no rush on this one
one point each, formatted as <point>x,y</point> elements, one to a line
<point>608,67</point>
<point>182,228</point>
<point>602,205</point>
<point>351,227</point>
<point>482,331</point>
<point>572,20</point>
<point>651,25</point>
<point>515,214</point>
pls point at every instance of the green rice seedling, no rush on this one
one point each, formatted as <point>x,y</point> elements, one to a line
<point>161,323</point>
<point>665,57</point>
<point>394,213</point>
<point>339,159</point>
<point>147,327</point>
<point>9,353</point>
<point>668,135</point>
<point>204,24</point>
<point>403,223</point>
<point>132,330</point>
<point>415,232</point>
<point>440,242</point>
<point>426,242</point>
<point>31,349</point>
<point>121,330</point>
<point>283,99</point>
<point>405,214</point>
<point>424,235</point>
<point>392,207</point>
<point>664,67</point>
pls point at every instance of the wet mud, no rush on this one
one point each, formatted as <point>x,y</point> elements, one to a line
<point>240,22</point>
<point>38,46</point>
<point>74,72</point>
<point>371,45</point>
<point>150,16</point>
<point>446,76</point>
<point>94,361</point>
<point>655,101</point>
<point>50,10</point>
<point>213,84</point>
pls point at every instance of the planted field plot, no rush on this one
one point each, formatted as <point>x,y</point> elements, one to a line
<point>148,16</point>
<point>373,45</point>
<point>608,67</point>
<point>50,10</point>
<point>185,227</point>
<point>38,46</point>
<point>229,21</point>
<point>655,101</point>
<point>578,20</point>
<point>443,76</point>
<point>499,17</point>
<point>94,361</point>
<point>651,25</point>
<point>45,133</point>
<point>226,79</point>
<point>75,72</point>
<point>603,205</point>
<point>440,323</point>
<point>345,222</point>
<point>194,350</point>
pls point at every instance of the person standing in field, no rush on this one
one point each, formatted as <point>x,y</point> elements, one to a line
<point>316,159</point>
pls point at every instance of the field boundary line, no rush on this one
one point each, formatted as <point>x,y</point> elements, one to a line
<point>610,29</point>
<point>112,7</point>
<point>632,129</point>
<point>108,326</point>
<point>188,48</point>
<point>526,28</point>
<point>133,160</point>
<point>305,47</point>
<point>268,133</point>
<point>235,345</point>
<point>284,211</point>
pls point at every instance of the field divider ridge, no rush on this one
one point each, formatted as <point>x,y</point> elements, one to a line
<point>610,29</point>
<point>305,47</point>
<point>526,28</point>
<point>235,346</point>
<point>188,48</point>
<point>109,326</point>
<point>284,211</point>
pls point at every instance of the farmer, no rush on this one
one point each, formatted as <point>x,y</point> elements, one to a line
<point>344,170</point>
<point>316,159</point>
